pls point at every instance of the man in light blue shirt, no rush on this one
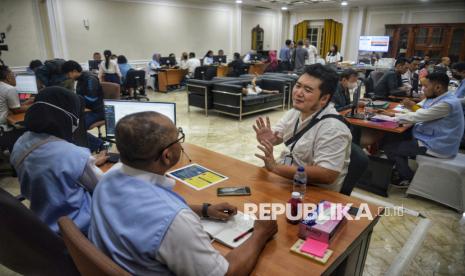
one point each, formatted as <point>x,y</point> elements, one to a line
<point>285,55</point>
<point>458,72</point>
<point>147,228</point>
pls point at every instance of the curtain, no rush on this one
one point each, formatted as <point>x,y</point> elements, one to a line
<point>300,31</point>
<point>332,34</point>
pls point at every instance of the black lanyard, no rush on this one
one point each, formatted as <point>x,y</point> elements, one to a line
<point>296,136</point>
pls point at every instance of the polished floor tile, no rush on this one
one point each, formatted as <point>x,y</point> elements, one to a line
<point>442,253</point>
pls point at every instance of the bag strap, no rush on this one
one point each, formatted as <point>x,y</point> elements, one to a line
<point>293,140</point>
<point>35,146</point>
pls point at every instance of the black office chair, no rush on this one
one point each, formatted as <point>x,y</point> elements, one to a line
<point>358,165</point>
<point>210,72</point>
<point>371,82</point>
<point>135,79</point>
<point>28,246</point>
<point>199,73</point>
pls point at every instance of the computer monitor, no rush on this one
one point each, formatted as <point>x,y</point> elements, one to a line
<point>93,64</point>
<point>167,61</point>
<point>26,84</point>
<point>117,109</point>
<point>219,59</point>
<point>254,58</point>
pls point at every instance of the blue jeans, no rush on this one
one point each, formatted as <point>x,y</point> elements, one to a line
<point>95,144</point>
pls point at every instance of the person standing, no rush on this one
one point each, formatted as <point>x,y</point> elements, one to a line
<point>301,56</point>
<point>285,56</point>
<point>312,52</point>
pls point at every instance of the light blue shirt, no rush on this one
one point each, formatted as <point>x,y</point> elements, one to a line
<point>207,60</point>
<point>124,68</point>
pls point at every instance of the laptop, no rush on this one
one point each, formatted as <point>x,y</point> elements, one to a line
<point>26,86</point>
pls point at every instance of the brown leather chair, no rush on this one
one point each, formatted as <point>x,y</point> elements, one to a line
<point>89,260</point>
<point>27,245</point>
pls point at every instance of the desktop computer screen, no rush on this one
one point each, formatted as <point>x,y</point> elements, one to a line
<point>219,59</point>
<point>115,110</point>
<point>26,84</point>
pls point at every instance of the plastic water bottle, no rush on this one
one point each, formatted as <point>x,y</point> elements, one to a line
<point>300,182</point>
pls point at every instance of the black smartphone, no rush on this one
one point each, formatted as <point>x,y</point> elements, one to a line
<point>233,191</point>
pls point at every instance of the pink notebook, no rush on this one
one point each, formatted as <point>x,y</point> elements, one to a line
<point>314,247</point>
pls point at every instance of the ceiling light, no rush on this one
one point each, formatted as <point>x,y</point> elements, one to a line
<point>284,8</point>
<point>238,1</point>
<point>344,3</point>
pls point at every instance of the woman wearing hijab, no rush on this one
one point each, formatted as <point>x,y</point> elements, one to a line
<point>108,69</point>
<point>273,62</point>
<point>154,66</point>
<point>208,58</point>
<point>56,176</point>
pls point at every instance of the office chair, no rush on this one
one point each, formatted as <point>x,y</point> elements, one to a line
<point>371,82</point>
<point>210,72</point>
<point>28,246</point>
<point>357,166</point>
<point>199,73</point>
<point>135,79</point>
<point>89,259</point>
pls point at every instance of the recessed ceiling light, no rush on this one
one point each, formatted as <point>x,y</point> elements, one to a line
<point>238,1</point>
<point>284,8</point>
<point>344,3</point>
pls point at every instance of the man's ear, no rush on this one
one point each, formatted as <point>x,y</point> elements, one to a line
<point>325,99</point>
<point>165,157</point>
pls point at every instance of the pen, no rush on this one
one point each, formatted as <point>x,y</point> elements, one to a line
<point>243,235</point>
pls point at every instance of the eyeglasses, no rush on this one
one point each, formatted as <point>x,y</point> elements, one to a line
<point>180,139</point>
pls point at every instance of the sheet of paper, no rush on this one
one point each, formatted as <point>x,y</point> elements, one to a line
<point>196,176</point>
<point>227,231</point>
<point>314,247</point>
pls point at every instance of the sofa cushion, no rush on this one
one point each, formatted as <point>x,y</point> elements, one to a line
<point>253,99</point>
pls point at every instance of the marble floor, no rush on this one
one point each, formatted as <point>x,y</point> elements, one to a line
<point>442,252</point>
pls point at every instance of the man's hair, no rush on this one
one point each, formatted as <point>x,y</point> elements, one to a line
<point>96,53</point>
<point>140,137</point>
<point>122,59</point>
<point>288,42</point>
<point>326,75</point>
<point>237,55</point>
<point>300,43</point>
<point>4,71</point>
<point>347,73</point>
<point>439,78</point>
<point>69,66</point>
<point>35,63</point>
<point>459,66</point>
<point>400,61</point>
<point>191,55</point>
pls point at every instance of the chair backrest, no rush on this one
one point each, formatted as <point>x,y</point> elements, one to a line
<point>111,90</point>
<point>134,78</point>
<point>27,245</point>
<point>199,72</point>
<point>89,259</point>
<point>357,166</point>
<point>210,73</point>
<point>376,77</point>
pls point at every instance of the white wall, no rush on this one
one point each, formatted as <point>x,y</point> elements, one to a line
<point>267,21</point>
<point>19,20</point>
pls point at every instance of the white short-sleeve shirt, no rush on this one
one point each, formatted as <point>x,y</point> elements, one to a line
<point>8,100</point>
<point>327,144</point>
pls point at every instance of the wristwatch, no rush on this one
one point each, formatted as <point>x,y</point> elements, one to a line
<point>205,210</point>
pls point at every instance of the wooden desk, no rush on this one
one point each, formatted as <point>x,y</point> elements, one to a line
<point>376,125</point>
<point>222,70</point>
<point>168,77</point>
<point>15,118</point>
<point>257,68</point>
<point>350,244</point>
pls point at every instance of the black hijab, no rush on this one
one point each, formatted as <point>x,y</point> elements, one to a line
<point>43,118</point>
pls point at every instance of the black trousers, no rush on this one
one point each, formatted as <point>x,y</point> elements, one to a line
<point>399,148</point>
<point>8,138</point>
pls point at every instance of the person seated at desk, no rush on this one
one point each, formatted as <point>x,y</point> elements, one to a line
<point>391,82</point>
<point>458,72</point>
<point>341,98</point>
<point>109,70</point>
<point>183,61</point>
<point>9,102</point>
<point>55,175</point>
<point>439,126</point>
<point>191,64</point>
<point>247,56</point>
<point>273,63</point>
<point>124,67</point>
<point>88,86</point>
<point>97,56</point>
<point>324,149</point>
<point>409,77</point>
<point>208,58</point>
<point>236,66</point>
<point>445,63</point>
<point>153,67</point>
<point>254,89</point>
<point>172,55</point>
<point>146,227</point>
<point>333,57</point>
<point>220,52</point>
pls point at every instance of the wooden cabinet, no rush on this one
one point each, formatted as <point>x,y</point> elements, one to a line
<point>436,40</point>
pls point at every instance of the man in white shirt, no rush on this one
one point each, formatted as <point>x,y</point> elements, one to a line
<point>408,77</point>
<point>191,64</point>
<point>312,52</point>
<point>9,102</point>
<point>147,228</point>
<point>324,149</point>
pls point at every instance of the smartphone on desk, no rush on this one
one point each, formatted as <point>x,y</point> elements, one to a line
<point>233,191</point>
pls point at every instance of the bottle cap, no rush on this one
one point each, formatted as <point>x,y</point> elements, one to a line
<point>295,195</point>
<point>301,169</point>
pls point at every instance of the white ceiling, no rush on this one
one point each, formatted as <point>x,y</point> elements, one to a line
<point>324,4</point>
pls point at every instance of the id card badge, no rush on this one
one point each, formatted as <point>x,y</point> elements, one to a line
<point>288,159</point>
